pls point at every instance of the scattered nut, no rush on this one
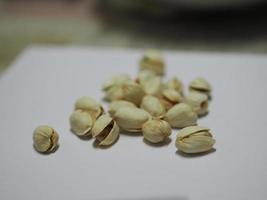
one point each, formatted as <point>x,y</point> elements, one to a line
<point>105,130</point>
<point>175,84</point>
<point>132,92</point>
<point>181,115</point>
<point>81,123</point>
<point>115,105</point>
<point>200,85</point>
<point>198,102</point>
<point>170,97</point>
<point>45,139</point>
<point>153,106</point>
<point>156,131</point>
<point>152,60</point>
<point>194,139</point>
<point>131,119</point>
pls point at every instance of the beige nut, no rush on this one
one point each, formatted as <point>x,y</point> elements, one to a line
<point>200,85</point>
<point>145,75</point>
<point>170,97</point>
<point>90,105</point>
<point>131,119</point>
<point>153,61</point>
<point>156,131</point>
<point>132,92</point>
<point>181,115</point>
<point>198,102</point>
<point>153,106</point>
<point>45,139</point>
<point>115,105</point>
<point>81,122</point>
<point>194,139</point>
<point>175,84</point>
<point>105,130</point>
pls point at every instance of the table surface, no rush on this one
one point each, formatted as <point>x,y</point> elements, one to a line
<point>42,85</point>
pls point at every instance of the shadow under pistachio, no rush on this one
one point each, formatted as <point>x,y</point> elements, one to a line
<point>195,155</point>
<point>203,115</point>
<point>97,146</point>
<point>160,144</point>
<point>131,134</point>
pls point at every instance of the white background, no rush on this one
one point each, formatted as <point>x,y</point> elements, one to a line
<point>42,85</point>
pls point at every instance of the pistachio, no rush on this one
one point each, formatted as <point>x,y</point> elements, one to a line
<point>90,105</point>
<point>200,85</point>
<point>156,131</point>
<point>105,130</point>
<point>132,92</point>
<point>175,84</point>
<point>153,61</point>
<point>81,122</point>
<point>45,139</point>
<point>170,97</point>
<point>181,115</point>
<point>115,105</point>
<point>198,102</point>
<point>153,86</point>
<point>144,75</point>
<point>194,139</point>
<point>131,119</point>
<point>153,106</point>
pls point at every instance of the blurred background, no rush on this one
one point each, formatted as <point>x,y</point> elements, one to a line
<point>192,25</point>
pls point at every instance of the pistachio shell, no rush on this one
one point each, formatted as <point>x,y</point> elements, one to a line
<point>153,86</point>
<point>156,131</point>
<point>45,139</point>
<point>133,92</point>
<point>131,119</point>
<point>90,105</point>
<point>153,106</point>
<point>144,76</point>
<point>105,130</point>
<point>153,61</point>
<point>115,105</point>
<point>194,139</point>
<point>81,122</point>
<point>181,115</point>
<point>175,84</point>
<point>116,81</point>
<point>170,97</point>
<point>198,102</point>
<point>200,85</point>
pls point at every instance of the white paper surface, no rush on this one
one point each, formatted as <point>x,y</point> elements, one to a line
<point>42,85</point>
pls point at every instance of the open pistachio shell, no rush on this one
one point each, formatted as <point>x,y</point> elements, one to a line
<point>175,84</point>
<point>81,122</point>
<point>115,81</point>
<point>45,139</point>
<point>153,61</point>
<point>115,105</point>
<point>170,97</point>
<point>198,102</point>
<point>105,130</point>
<point>131,119</point>
<point>153,106</point>
<point>200,85</point>
<point>194,139</point>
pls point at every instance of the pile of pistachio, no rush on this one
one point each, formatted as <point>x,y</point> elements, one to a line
<point>144,105</point>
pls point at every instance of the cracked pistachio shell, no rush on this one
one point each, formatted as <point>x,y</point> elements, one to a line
<point>131,119</point>
<point>175,84</point>
<point>81,122</point>
<point>90,105</point>
<point>144,76</point>
<point>115,81</point>
<point>132,92</point>
<point>153,106</point>
<point>45,139</point>
<point>153,61</point>
<point>198,102</point>
<point>156,131</point>
<point>115,105</point>
<point>153,86</point>
<point>181,115</point>
<point>105,130</point>
<point>170,97</point>
<point>200,85</point>
<point>194,139</point>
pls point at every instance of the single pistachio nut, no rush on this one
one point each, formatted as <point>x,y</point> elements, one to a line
<point>115,105</point>
<point>170,97</point>
<point>181,115</point>
<point>105,130</point>
<point>175,84</point>
<point>198,102</point>
<point>153,86</point>
<point>144,75</point>
<point>200,85</point>
<point>153,61</point>
<point>45,139</point>
<point>132,92</point>
<point>81,123</point>
<point>156,131</point>
<point>194,139</point>
<point>90,105</point>
<point>153,106</point>
<point>131,119</point>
